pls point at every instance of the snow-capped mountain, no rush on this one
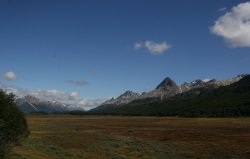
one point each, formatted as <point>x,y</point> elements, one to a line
<point>32,104</point>
<point>209,83</point>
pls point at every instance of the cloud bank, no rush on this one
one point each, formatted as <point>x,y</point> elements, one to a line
<point>153,47</point>
<point>73,99</point>
<point>234,26</point>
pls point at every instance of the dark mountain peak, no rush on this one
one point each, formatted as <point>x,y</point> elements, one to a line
<point>243,75</point>
<point>166,84</point>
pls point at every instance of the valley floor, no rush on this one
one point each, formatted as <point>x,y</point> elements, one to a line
<point>108,137</point>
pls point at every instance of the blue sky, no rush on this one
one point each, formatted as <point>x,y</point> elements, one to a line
<point>55,44</point>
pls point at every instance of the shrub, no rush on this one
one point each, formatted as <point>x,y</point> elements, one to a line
<point>13,126</point>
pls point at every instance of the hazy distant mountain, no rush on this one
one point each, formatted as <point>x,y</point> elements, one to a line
<point>29,104</point>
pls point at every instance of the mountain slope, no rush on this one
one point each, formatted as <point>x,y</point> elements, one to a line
<point>230,100</point>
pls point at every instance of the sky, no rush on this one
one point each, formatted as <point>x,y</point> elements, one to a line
<point>93,50</point>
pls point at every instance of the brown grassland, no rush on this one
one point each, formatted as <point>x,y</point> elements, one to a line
<point>101,137</point>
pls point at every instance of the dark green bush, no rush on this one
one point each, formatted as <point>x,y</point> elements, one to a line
<point>13,126</point>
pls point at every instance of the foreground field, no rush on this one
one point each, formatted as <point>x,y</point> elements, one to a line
<point>99,137</point>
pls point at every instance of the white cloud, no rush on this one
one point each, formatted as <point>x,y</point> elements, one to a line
<point>10,76</point>
<point>74,94</point>
<point>234,26</point>
<point>157,48</point>
<point>153,47</point>
<point>73,99</point>
<point>222,9</point>
<point>137,45</point>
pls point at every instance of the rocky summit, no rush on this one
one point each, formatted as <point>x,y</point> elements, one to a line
<point>167,88</point>
<point>125,98</point>
<point>166,84</point>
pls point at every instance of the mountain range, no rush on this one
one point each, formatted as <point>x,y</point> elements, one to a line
<point>166,91</point>
<point>229,97</point>
<point>168,88</point>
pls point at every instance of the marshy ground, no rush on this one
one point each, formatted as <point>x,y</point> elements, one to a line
<point>101,137</point>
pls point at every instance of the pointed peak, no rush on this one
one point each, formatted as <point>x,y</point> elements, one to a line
<point>128,93</point>
<point>167,82</point>
<point>167,79</point>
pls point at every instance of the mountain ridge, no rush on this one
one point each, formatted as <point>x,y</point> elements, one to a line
<point>168,88</point>
<point>231,100</point>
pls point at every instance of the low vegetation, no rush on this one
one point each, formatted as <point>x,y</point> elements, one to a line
<point>114,137</point>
